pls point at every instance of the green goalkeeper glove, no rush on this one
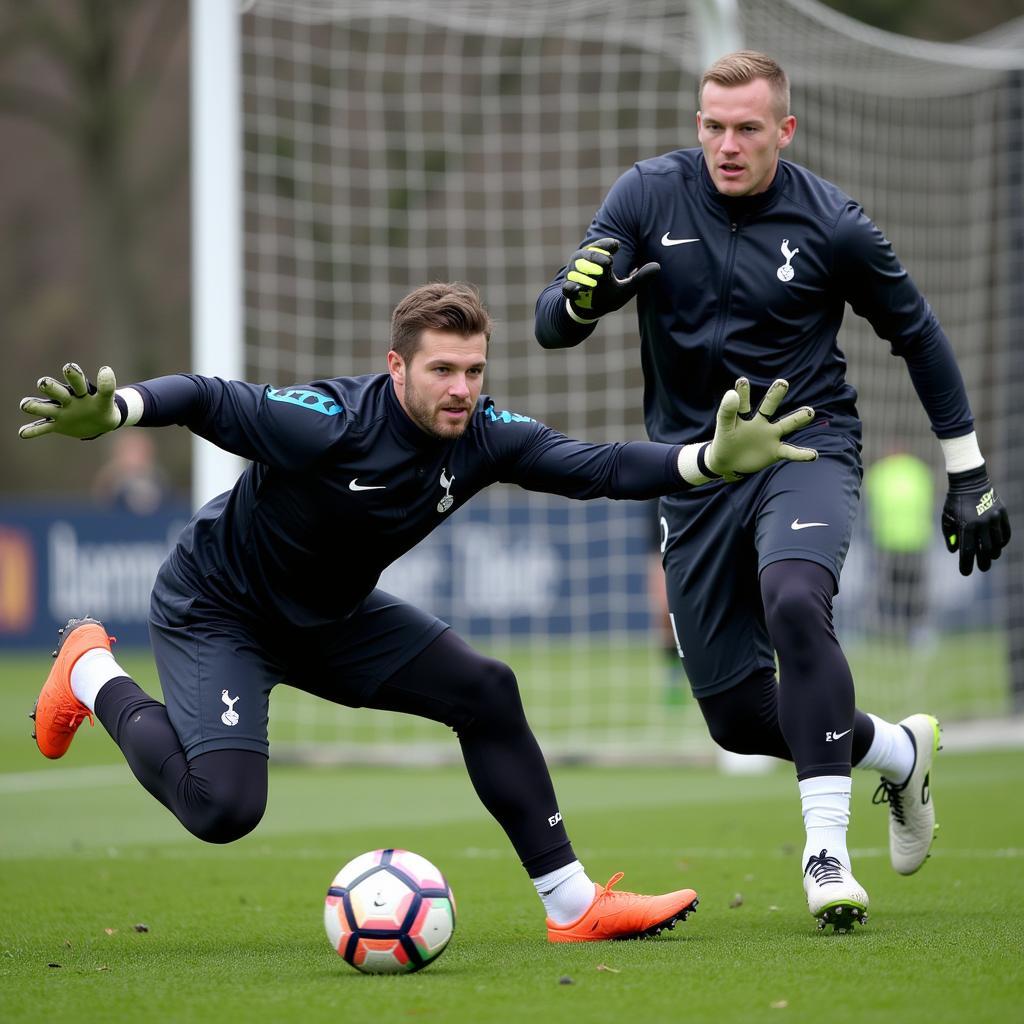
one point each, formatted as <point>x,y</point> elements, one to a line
<point>591,286</point>
<point>745,443</point>
<point>974,521</point>
<point>78,408</point>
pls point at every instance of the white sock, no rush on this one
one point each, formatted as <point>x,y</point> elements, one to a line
<point>825,801</point>
<point>891,751</point>
<point>565,892</point>
<point>89,674</point>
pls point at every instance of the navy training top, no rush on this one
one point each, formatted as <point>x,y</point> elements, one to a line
<point>343,482</point>
<point>756,286</point>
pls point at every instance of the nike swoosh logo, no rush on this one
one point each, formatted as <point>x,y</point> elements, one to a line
<point>353,486</point>
<point>840,735</point>
<point>797,525</point>
<point>665,240</point>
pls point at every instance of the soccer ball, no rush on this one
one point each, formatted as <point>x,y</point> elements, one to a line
<point>389,912</point>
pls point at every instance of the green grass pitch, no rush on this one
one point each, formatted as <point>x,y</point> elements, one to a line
<point>235,933</point>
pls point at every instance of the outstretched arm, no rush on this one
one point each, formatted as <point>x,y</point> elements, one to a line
<point>78,408</point>
<point>278,427</point>
<point>743,444</point>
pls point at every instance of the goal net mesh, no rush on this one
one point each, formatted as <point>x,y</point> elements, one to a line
<point>390,144</point>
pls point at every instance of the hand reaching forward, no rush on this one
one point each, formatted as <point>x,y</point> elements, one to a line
<point>744,444</point>
<point>77,408</point>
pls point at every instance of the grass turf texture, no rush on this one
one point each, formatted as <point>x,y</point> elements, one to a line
<point>235,932</point>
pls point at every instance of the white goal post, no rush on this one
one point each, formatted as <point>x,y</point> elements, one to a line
<point>389,144</point>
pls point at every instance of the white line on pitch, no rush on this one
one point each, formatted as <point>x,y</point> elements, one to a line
<point>65,778</point>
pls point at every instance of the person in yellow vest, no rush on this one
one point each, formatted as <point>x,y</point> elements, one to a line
<point>901,507</point>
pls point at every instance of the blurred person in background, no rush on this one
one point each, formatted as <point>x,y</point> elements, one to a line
<point>742,265</point>
<point>132,480</point>
<point>900,498</point>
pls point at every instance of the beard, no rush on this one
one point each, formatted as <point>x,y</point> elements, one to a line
<point>426,415</point>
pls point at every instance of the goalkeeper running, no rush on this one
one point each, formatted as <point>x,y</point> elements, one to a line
<point>745,265</point>
<point>276,580</point>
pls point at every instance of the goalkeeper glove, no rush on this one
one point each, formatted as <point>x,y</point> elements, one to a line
<point>591,287</point>
<point>974,521</point>
<point>78,408</point>
<point>745,443</point>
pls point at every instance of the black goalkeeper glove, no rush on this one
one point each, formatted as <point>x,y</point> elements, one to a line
<point>591,285</point>
<point>974,521</point>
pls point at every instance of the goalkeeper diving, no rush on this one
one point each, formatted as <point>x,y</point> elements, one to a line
<point>275,581</point>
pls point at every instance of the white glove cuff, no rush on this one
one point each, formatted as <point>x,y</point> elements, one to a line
<point>578,319</point>
<point>133,403</point>
<point>692,467</point>
<point>961,453</point>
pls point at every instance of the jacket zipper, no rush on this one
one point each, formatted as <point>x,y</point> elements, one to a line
<point>725,295</point>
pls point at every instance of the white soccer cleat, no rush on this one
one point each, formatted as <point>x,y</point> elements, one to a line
<point>911,811</point>
<point>834,896</point>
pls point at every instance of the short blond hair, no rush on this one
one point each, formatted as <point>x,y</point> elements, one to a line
<point>745,66</point>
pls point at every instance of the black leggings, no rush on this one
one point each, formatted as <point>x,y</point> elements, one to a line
<point>798,717</point>
<point>478,697</point>
<point>220,796</point>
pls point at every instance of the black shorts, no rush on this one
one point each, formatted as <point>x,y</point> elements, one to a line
<point>719,538</point>
<point>217,669</point>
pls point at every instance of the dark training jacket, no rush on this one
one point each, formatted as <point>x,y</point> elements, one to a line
<point>343,482</point>
<point>756,286</point>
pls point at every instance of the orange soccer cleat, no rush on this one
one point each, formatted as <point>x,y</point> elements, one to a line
<point>58,712</point>
<point>624,915</point>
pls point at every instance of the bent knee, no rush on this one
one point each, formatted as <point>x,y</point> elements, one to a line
<point>733,737</point>
<point>222,824</point>
<point>495,695</point>
<point>794,612</point>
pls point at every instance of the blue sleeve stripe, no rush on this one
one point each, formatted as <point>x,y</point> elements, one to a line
<point>507,417</point>
<point>323,404</point>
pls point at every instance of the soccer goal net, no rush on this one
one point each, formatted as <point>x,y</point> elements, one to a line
<point>393,143</point>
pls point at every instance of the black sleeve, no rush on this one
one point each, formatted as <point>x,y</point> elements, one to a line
<point>878,288</point>
<point>289,428</point>
<point>618,218</point>
<point>541,459</point>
